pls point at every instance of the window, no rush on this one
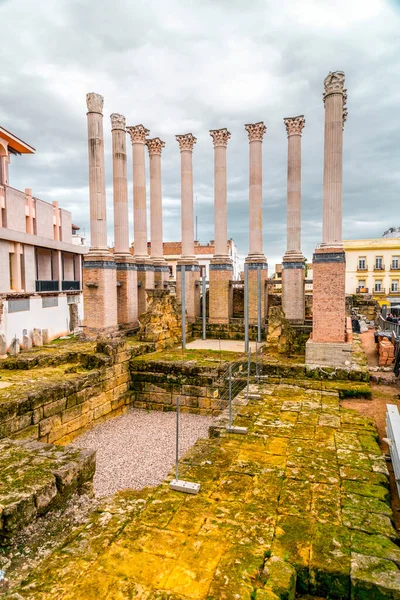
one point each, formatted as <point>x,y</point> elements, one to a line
<point>49,301</point>
<point>378,285</point>
<point>395,285</point>
<point>362,263</point>
<point>395,262</point>
<point>378,262</point>
<point>18,305</point>
<point>361,283</point>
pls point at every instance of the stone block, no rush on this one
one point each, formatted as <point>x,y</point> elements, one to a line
<point>37,337</point>
<point>14,348</point>
<point>329,310</point>
<point>3,346</point>
<point>329,354</point>
<point>45,336</point>
<point>26,342</point>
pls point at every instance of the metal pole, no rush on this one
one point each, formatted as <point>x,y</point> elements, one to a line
<point>203,282</point>
<point>177,439</point>
<point>246,307</point>
<point>230,396</point>
<point>256,360</point>
<point>259,303</point>
<point>183,288</point>
<point>248,371</point>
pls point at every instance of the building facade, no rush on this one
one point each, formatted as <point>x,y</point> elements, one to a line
<point>373,267</point>
<point>40,258</point>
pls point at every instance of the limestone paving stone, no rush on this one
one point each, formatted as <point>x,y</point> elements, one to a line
<point>275,512</point>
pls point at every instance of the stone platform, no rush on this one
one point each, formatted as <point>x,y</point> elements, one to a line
<point>301,502</point>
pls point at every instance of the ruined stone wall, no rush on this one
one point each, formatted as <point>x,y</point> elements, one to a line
<point>156,385</point>
<point>234,330</point>
<point>57,413</point>
<point>162,323</point>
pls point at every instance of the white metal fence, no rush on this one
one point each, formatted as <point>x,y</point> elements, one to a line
<point>393,437</point>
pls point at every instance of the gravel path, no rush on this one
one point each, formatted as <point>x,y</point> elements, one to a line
<point>138,449</point>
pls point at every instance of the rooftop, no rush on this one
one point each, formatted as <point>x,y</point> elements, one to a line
<point>15,144</point>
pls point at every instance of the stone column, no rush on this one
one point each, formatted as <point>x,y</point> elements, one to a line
<point>145,272</point>
<point>126,268</point>
<point>329,342</point>
<point>188,259</point>
<point>161,271</point>
<point>256,258</point>
<point>221,268</point>
<point>99,269</point>
<point>293,265</point>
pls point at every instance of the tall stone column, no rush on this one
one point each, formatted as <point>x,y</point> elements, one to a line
<point>161,271</point>
<point>99,269</point>
<point>127,304</point>
<point>293,265</point>
<point>188,260</point>
<point>221,267</point>
<point>256,259</point>
<point>329,341</point>
<point>145,272</point>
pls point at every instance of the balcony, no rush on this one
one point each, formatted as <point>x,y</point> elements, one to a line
<point>362,290</point>
<point>394,292</point>
<point>362,268</point>
<point>395,267</point>
<point>69,286</point>
<point>46,286</point>
<point>380,292</point>
<point>379,267</point>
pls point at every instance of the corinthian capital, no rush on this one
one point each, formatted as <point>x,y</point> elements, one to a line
<point>94,103</point>
<point>294,125</point>
<point>155,145</point>
<point>186,141</point>
<point>138,134</point>
<point>256,131</point>
<point>117,121</point>
<point>220,137</point>
<point>334,83</point>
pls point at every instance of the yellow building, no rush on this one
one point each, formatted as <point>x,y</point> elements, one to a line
<point>373,267</point>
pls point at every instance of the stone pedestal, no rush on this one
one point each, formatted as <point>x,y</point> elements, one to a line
<point>253,267</point>
<point>293,270</point>
<point>192,287</point>
<point>329,279</point>
<point>99,293</point>
<point>220,291</point>
<point>127,291</point>
<point>161,273</point>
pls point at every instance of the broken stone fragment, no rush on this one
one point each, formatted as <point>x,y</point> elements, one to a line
<point>37,337</point>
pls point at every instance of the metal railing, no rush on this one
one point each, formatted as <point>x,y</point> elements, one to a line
<point>388,326</point>
<point>43,285</point>
<point>393,439</point>
<point>70,285</point>
<point>362,290</point>
<point>381,291</point>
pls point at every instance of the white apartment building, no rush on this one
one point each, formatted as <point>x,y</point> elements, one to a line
<point>40,257</point>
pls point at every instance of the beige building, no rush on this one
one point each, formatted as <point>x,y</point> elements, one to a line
<point>40,257</point>
<point>373,267</point>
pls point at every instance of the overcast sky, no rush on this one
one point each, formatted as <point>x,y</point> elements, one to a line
<point>182,66</point>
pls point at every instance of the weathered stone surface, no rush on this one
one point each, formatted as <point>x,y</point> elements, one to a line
<point>35,477</point>
<point>45,336</point>
<point>14,347</point>
<point>37,337</point>
<point>26,342</point>
<point>162,323</point>
<point>374,578</point>
<point>3,345</point>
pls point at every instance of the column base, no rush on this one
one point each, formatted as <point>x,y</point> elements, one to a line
<point>328,354</point>
<point>220,291</point>
<point>100,293</point>
<point>161,273</point>
<point>192,285</point>
<point>293,301</point>
<point>329,306</point>
<point>253,265</point>
<point>127,291</point>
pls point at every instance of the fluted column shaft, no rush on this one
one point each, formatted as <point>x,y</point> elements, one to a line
<point>256,132</point>
<point>138,136</point>
<point>120,185</point>
<point>156,229</point>
<point>333,166</point>
<point>186,143</point>
<point>294,127</point>
<point>97,184</point>
<point>220,138</point>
